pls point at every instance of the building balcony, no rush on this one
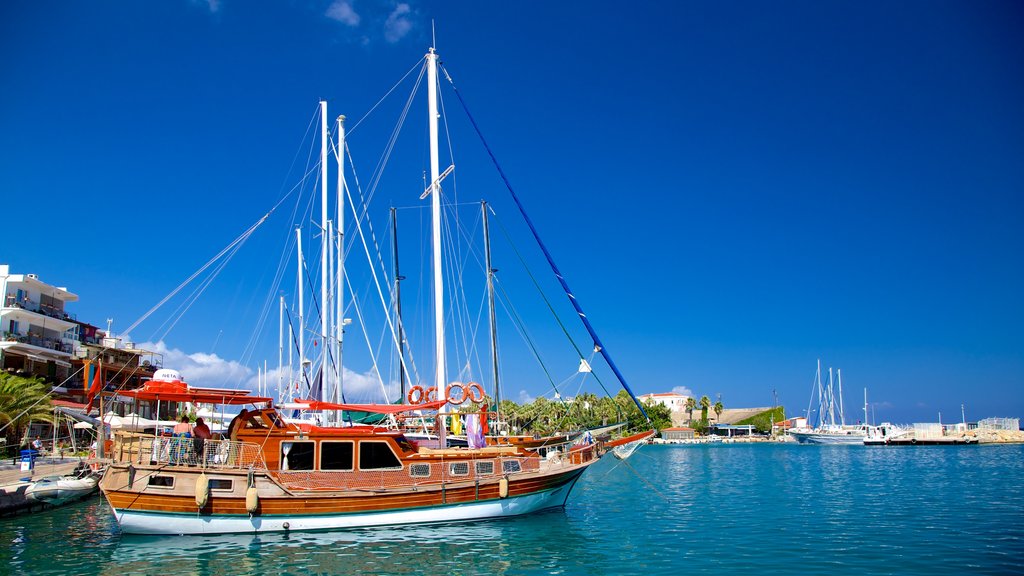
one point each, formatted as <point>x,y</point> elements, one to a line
<point>30,305</point>
<point>38,341</point>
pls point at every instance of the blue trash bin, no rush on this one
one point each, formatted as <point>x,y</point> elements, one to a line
<point>30,457</point>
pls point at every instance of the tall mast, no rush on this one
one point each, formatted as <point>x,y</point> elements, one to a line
<point>831,399</point>
<point>398,304</point>
<point>866,423</point>
<point>435,204</point>
<point>324,245</point>
<point>490,312</point>
<point>339,320</point>
<point>280,343</point>
<point>842,415</point>
<point>302,325</point>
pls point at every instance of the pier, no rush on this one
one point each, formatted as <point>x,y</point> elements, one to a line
<point>14,482</point>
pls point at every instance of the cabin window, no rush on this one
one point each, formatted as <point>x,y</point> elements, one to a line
<point>511,466</point>
<point>161,481</point>
<point>484,468</point>
<point>458,469</point>
<point>419,470</point>
<point>337,455</point>
<point>297,455</point>
<point>378,456</point>
<point>220,484</point>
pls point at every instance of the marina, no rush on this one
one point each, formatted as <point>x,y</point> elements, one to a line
<point>364,287</point>
<point>818,508</point>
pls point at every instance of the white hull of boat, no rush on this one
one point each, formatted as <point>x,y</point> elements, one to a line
<point>133,522</point>
<point>832,438</point>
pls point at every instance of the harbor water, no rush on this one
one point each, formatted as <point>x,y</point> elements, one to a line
<point>766,509</point>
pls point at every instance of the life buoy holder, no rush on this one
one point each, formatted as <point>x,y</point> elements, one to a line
<point>415,395</point>
<point>479,396</point>
<point>463,394</point>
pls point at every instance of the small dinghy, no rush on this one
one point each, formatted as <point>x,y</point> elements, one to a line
<point>57,490</point>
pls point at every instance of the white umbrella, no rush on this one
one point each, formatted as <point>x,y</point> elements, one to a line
<point>82,426</point>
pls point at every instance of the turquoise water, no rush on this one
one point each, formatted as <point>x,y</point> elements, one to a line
<point>688,510</point>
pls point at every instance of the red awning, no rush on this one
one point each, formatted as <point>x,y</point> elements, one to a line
<point>178,391</point>
<point>373,408</point>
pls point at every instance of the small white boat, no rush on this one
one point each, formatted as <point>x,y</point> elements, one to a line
<point>57,490</point>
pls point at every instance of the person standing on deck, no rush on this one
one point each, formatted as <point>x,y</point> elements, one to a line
<point>201,433</point>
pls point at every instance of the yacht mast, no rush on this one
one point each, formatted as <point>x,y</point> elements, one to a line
<point>302,325</point>
<point>280,343</point>
<point>435,203</point>
<point>398,304</point>
<point>490,312</point>
<point>339,320</point>
<point>842,415</point>
<point>324,247</point>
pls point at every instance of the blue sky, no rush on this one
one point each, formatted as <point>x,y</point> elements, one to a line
<point>734,190</point>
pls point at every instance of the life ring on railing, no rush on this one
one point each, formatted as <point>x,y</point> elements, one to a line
<point>415,395</point>
<point>479,396</point>
<point>463,396</point>
<point>430,394</point>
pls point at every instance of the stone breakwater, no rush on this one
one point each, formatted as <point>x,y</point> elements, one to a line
<point>997,436</point>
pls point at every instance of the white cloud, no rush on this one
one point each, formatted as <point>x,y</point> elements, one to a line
<point>683,390</point>
<point>201,369</point>
<point>342,11</point>
<point>398,23</point>
<point>525,398</point>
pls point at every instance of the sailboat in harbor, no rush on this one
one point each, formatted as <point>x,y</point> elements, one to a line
<point>831,425</point>
<point>271,471</point>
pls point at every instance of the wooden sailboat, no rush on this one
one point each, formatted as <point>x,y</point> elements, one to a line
<point>270,473</point>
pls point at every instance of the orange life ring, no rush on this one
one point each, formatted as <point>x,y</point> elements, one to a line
<point>431,394</point>
<point>477,398</point>
<point>463,396</point>
<point>415,395</point>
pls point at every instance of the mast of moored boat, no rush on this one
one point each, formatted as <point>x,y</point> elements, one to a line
<point>339,283</point>
<point>842,414</point>
<point>398,304</point>
<point>325,243</point>
<point>280,344</point>
<point>435,204</point>
<point>302,326</point>
<point>490,311</point>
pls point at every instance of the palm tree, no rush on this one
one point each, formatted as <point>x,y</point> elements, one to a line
<point>705,403</point>
<point>718,408</point>
<point>22,400</point>
<point>691,405</point>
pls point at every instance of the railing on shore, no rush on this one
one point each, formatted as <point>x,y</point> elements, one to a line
<point>180,451</point>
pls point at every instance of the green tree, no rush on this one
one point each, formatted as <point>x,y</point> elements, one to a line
<point>22,400</point>
<point>691,405</point>
<point>705,404</point>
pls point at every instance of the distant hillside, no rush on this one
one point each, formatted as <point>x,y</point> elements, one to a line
<point>764,420</point>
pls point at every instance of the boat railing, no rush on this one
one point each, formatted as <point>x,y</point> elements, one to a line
<point>181,451</point>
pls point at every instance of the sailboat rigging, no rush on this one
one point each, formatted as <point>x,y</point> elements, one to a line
<point>270,472</point>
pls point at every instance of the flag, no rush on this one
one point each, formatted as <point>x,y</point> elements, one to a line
<point>97,385</point>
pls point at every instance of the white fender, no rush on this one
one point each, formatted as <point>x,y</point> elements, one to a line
<point>252,499</point>
<point>202,490</point>
<point>503,488</point>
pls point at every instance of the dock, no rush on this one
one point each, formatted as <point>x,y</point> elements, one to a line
<point>14,482</point>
